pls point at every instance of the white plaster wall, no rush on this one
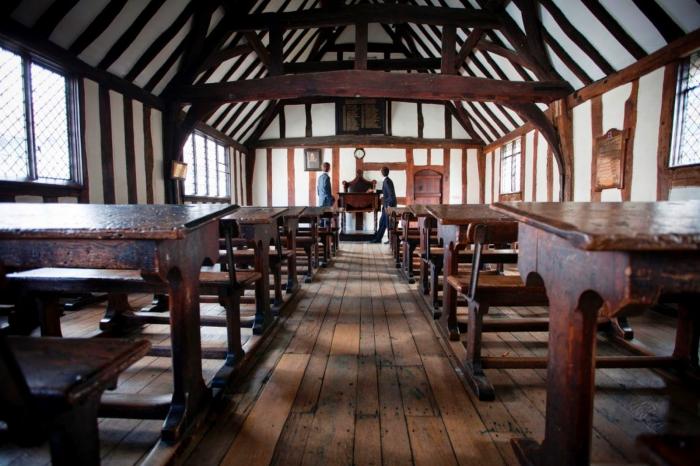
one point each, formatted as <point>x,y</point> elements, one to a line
<point>260,178</point>
<point>280,180</point>
<point>323,119</point>
<point>420,157</point>
<point>437,157</point>
<point>141,196</point>
<point>458,131</point>
<point>116,103</point>
<point>301,179</point>
<point>433,121</point>
<point>295,121</point>
<point>541,187</point>
<point>488,191</point>
<point>583,151</point>
<point>273,130</point>
<point>244,178</point>
<point>455,195</point>
<point>496,175</point>
<point>379,155</point>
<point>473,182</point>
<point>404,119</point>
<point>93,150</point>
<point>157,137</point>
<point>684,194</point>
<point>556,185</point>
<point>529,159</point>
<point>646,137</point>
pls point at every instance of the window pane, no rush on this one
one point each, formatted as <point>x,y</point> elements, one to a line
<point>200,154</point>
<point>13,133</point>
<point>686,145</point>
<point>188,158</point>
<point>50,124</point>
<point>211,167</point>
<point>221,168</point>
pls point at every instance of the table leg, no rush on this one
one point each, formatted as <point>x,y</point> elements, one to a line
<point>263,316</point>
<point>570,384</point>
<point>292,277</point>
<point>189,390</point>
<point>687,338</point>
<point>231,301</point>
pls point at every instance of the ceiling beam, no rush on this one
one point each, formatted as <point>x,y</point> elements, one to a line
<point>468,45</point>
<point>357,83</point>
<point>376,13</point>
<point>381,64</point>
<point>660,19</point>
<point>614,28</point>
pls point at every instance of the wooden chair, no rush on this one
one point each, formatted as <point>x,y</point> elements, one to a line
<point>51,387</point>
<point>482,291</point>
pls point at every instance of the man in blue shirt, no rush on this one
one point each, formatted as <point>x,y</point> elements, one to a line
<point>388,200</point>
<point>323,190</point>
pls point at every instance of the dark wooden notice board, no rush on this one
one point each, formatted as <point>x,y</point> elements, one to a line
<point>610,159</point>
<point>360,116</point>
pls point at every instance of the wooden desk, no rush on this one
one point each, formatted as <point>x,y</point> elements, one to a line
<point>453,222</point>
<point>315,214</point>
<point>605,258</point>
<point>394,215</point>
<point>167,243</point>
<point>290,224</point>
<point>353,202</point>
<point>259,226</point>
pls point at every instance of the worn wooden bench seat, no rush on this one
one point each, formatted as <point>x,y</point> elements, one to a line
<point>119,315</point>
<point>51,387</point>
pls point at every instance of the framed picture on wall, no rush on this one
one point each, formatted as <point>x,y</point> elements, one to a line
<point>312,160</point>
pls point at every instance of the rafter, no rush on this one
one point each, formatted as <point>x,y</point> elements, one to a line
<point>614,28</point>
<point>48,21</point>
<point>97,27</point>
<point>468,46</point>
<point>356,83</point>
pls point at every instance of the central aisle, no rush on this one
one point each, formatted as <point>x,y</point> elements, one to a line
<point>356,375</point>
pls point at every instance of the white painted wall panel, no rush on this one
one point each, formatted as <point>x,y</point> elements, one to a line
<point>437,157</point>
<point>646,137</point>
<point>378,154</point>
<point>473,182</point>
<point>684,194</point>
<point>420,157</point>
<point>323,119</point>
<point>141,196</point>
<point>295,120</point>
<point>541,169</point>
<point>280,180</point>
<point>404,119</point>
<point>488,193</point>
<point>157,137</point>
<point>458,132</point>
<point>244,193</point>
<point>93,150</point>
<point>455,195</point>
<point>556,184</point>
<point>121,192</point>
<point>301,179</point>
<point>583,151</point>
<point>529,159</point>
<point>496,175</point>
<point>260,178</point>
<point>614,107</point>
<point>273,130</point>
<point>433,121</point>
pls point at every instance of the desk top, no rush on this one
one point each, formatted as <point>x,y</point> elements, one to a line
<point>420,210</point>
<point>395,210</point>
<point>464,214</point>
<point>255,215</point>
<point>97,221</point>
<point>319,211</point>
<point>609,226</point>
<point>294,211</point>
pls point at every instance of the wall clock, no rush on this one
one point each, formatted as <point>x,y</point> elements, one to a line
<point>359,153</point>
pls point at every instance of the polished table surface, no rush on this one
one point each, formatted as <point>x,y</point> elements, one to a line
<point>256,214</point>
<point>607,259</point>
<point>462,214</point>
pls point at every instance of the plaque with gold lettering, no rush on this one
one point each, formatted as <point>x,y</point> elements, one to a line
<point>360,116</point>
<point>609,154</point>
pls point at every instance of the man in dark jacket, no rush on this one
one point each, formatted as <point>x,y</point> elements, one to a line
<point>388,200</point>
<point>324,192</point>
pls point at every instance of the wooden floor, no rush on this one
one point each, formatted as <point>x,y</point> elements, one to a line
<point>356,374</point>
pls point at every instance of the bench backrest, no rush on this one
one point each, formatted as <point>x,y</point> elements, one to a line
<point>483,234</point>
<point>14,393</point>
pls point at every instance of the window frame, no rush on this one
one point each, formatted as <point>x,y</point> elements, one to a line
<point>513,177</point>
<point>42,186</point>
<point>193,170</point>
<point>679,115</point>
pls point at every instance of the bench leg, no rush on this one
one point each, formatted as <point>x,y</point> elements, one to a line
<point>424,276</point>
<point>621,328</point>
<point>688,338</point>
<point>49,315</point>
<point>277,281</point>
<point>74,438</point>
<point>159,304</point>
<point>474,369</point>
<point>309,265</point>
<point>117,314</point>
<point>231,301</point>
<point>435,271</point>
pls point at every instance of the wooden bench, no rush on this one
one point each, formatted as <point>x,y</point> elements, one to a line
<point>51,387</point>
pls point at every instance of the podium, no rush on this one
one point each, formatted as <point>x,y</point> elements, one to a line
<point>359,196</point>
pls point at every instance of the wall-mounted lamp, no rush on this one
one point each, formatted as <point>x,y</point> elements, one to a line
<point>179,171</point>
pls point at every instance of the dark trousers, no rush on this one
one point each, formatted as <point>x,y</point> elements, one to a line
<point>381,229</point>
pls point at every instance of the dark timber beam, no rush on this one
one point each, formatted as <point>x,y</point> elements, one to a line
<point>357,83</point>
<point>364,140</point>
<point>384,65</point>
<point>377,13</point>
<point>468,45</point>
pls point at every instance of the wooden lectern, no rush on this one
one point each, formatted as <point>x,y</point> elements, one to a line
<point>359,196</point>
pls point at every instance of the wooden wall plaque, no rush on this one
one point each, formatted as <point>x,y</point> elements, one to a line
<point>360,116</point>
<point>610,159</point>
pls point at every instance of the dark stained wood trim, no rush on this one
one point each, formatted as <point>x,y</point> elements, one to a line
<point>566,59</point>
<point>269,177</point>
<point>22,37</point>
<point>376,84</point>
<point>165,67</point>
<point>291,177</point>
<point>421,122</point>
<point>106,146</point>
<point>550,174</point>
<point>335,171</point>
<point>614,28</point>
<point>630,122</point>
<point>249,169</point>
<point>519,131</point>
<point>128,37</point>
<point>276,47</point>
<point>235,159</point>
<point>535,143</point>
<point>410,174</point>
<point>360,46</point>
<point>448,122</point>
<point>462,117</point>
<point>130,152</point>
<point>388,117</point>
<point>223,137</point>
<point>668,99</point>
<point>468,45</point>
<point>97,27</point>
<point>367,141</point>
<point>312,188</point>
<point>430,156</point>
<point>10,189</point>
<point>533,30</point>
<point>495,190</point>
<point>481,173</point>
<point>254,39</point>
<point>309,122</point>
<point>448,51</point>
<point>85,191</point>
<point>660,19</point>
<point>148,153</point>
<point>53,15</point>
<point>668,54</point>
<point>597,130</point>
<point>464,176</point>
